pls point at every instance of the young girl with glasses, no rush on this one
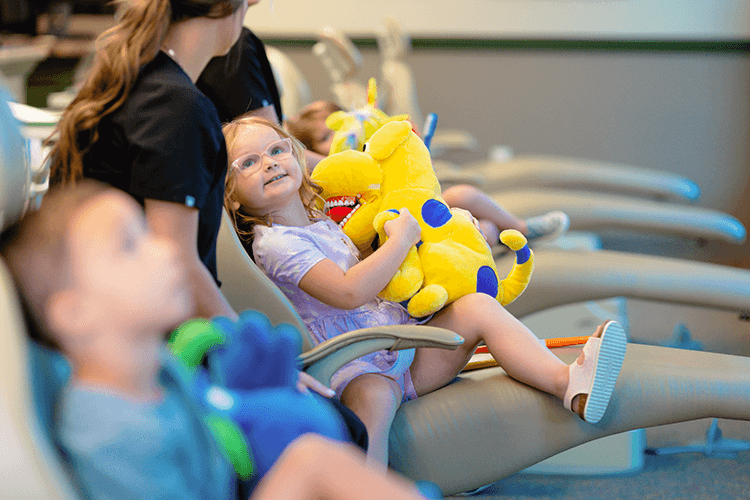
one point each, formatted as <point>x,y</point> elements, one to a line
<point>275,209</point>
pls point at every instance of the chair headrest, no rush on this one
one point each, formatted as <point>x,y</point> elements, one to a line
<point>15,175</point>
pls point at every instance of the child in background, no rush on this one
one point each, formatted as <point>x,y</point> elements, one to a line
<point>273,203</point>
<point>103,289</point>
<point>309,127</point>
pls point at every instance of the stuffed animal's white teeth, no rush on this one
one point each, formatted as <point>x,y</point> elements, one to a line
<point>349,215</point>
<point>347,201</point>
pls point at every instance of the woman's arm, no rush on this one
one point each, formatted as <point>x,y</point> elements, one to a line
<point>179,224</point>
<point>328,283</point>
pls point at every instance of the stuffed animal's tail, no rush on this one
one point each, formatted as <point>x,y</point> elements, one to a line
<point>518,278</point>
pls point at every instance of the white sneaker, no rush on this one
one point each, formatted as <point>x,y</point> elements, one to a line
<point>547,227</point>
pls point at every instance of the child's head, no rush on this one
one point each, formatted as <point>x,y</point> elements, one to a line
<point>255,148</point>
<point>85,262</point>
<point>309,126</point>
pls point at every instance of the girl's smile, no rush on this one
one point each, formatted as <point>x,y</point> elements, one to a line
<point>275,178</point>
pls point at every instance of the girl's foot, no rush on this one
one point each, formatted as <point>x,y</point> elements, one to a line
<point>548,226</point>
<point>593,375</point>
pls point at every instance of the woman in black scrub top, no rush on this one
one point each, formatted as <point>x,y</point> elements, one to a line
<point>247,87</point>
<point>140,124</point>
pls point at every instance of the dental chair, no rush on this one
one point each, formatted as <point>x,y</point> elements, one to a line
<point>342,62</point>
<point>293,87</point>
<point>485,426</point>
<point>30,464</point>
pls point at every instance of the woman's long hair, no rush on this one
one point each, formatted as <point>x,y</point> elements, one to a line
<point>121,51</point>
<point>309,191</point>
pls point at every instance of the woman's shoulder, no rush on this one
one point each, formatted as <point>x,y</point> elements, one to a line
<point>163,84</point>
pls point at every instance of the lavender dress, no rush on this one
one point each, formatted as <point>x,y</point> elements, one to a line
<point>287,253</point>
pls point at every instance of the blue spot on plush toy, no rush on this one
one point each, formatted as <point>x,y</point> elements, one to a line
<point>251,391</point>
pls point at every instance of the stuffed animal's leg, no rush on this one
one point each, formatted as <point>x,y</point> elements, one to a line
<point>409,278</point>
<point>520,275</point>
<point>428,300</point>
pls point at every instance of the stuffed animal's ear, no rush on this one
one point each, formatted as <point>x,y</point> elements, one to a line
<point>336,119</point>
<point>387,138</point>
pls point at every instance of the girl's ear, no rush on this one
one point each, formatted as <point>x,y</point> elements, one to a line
<point>235,205</point>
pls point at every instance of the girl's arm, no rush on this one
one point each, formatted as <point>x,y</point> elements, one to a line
<point>179,223</point>
<point>328,283</point>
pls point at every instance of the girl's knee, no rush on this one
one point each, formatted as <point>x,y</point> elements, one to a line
<point>478,304</point>
<point>456,195</point>
<point>371,389</point>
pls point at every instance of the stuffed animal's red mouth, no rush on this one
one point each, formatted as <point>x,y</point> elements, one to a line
<point>341,208</point>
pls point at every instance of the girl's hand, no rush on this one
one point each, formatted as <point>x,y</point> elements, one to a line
<point>468,215</point>
<point>405,228</point>
<point>306,382</point>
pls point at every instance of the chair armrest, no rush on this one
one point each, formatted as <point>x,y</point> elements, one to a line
<point>535,171</point>
<point>590,211</point>
<point>566,277</point>
<point>326,358</point>
<point>450,175</point>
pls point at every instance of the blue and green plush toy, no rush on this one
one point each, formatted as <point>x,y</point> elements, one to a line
<point>255,409</point>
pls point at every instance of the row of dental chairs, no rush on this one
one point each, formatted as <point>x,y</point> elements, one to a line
<point>595,195</point>
<point>482,427</point>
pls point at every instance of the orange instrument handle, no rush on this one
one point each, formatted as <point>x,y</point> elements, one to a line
<point>556,342</point>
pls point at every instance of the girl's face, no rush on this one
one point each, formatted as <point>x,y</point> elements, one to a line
<point>322,136</point>
<point>271,183</point>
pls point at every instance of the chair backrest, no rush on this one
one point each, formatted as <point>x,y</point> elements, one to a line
<point>246,287</point>
<point>15,176</point>
<point>30,465</point>
<point>293,87</point>
<point>342,61</point>
<point>396,76</point>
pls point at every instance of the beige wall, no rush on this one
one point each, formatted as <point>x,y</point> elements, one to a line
<point>687,113</point>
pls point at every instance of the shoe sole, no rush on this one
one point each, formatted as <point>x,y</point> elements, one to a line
<point>608,364</point>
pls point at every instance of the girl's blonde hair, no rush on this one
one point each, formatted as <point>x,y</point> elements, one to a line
<point>309,192</point>
<point>121,52</point>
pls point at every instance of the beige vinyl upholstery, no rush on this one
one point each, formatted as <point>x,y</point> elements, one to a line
<point>597,211</point>
<point>486,426</point>
<point>30,467</point>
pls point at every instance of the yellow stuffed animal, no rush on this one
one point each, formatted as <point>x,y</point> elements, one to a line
<point>363,190</point>
<point>354,128</point>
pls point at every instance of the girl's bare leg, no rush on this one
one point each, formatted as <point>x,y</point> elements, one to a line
<point>478,317</point>
<point>374,399</point>
<point>313,467</point>
<point>482,207</point>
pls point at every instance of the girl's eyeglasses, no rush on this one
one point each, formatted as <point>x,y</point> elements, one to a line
<point>250,163</point>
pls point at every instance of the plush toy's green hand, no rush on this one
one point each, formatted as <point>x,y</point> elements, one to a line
<point>191,341</point>
<point>230,438</point>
